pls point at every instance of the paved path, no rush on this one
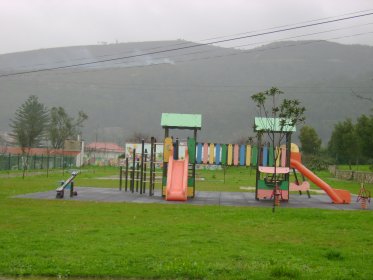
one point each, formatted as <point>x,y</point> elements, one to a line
<point>201,198</point>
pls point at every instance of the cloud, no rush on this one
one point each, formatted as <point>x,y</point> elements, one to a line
<point>34,24</point>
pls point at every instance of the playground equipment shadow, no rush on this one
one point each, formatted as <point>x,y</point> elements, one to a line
<point>201,198</point>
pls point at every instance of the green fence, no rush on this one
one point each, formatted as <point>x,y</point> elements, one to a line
<point>16,162</point>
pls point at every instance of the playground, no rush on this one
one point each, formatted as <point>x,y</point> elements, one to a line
<point>217,226</point>
<point>273,165</point>
<point>273,179</point>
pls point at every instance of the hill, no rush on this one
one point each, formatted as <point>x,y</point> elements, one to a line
<point>126,96</point>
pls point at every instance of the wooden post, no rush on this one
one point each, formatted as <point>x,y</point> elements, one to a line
<point>120,177</point>
<point>142,165</point>
<point>151,166</point>
<point>137,175</point>
<point>194,163</point>
<point>133,171</point>
<point>72,189</point>
<point>165,164</point>
<point>9,164</point>
<point>288,154</point>
<point>154,160</point>
<point>63,165</point>
<point>144,171</point>
<point>126,182</point>
<point>48,164</point>
<point>224,169</point>
<point>176,149</point>
<point>257,175</point>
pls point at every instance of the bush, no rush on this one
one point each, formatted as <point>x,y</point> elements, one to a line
<point>317,163</point>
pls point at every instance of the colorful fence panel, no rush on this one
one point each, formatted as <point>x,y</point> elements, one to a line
<point>248,155</point>
<point>270,156</point>
<point>230,154</point>
<point>192,150</point>
<point>242,154</point>
<point>239,155</point>
<point>236,153</point>
<point>254,155</point>
<point>283,156</point>
<point>205,155</point>
<point>211,153</point>
<point>199,153</point>
<point>217,154</point>
<point>265,156</point>
<point>224,154</point>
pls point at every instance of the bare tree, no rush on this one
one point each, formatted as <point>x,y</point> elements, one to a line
<point>136,137</point>
<point>278,116</point>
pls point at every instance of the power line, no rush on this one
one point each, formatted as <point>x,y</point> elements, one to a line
<point>233,54</point>
<point>188,47</point>
<point>304,35</point>
<point>287,25</point>
<point>273,48</point>
<point>257,44</point>
<point>214,38</point>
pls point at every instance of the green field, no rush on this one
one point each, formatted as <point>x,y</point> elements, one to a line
<point>364,168</point>
<point>123,240</point>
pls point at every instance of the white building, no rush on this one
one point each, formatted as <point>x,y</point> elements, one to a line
<point>103,153</point>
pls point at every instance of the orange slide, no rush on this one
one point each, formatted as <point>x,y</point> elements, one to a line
<point>177,178</point>
<point>337,196</point>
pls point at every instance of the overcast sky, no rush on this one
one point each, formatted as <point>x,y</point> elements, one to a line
<point>36,24</point>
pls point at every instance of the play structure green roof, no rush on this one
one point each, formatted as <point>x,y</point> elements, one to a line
<point>181,120</point>
<point>273,124</point>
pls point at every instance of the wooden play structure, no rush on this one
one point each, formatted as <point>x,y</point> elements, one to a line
<point>273,163</point>
<point>139,172</point>
<point>178,179</point>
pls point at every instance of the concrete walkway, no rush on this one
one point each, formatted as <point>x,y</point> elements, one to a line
<point>201,198</point>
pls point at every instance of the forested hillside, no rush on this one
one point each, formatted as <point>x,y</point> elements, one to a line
<point>122,97</point>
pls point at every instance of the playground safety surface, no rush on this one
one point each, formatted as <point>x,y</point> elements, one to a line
<point>201,198</point>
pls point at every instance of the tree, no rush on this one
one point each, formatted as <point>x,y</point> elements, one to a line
<point>243,140</point>
<point>29,126</point>
<point>344,143</point>
<point>310,141</point>
<point>63,127</point>
<point>30,123</point>
<point>288,112</point>
<point>364,132</point>
<point>279,116</point>
<point>137,137</point>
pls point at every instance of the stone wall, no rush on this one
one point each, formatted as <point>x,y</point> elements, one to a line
<point>358,176</point>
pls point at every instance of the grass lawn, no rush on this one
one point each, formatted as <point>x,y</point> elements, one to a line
<point>365,168</point>
<point>72,238</point>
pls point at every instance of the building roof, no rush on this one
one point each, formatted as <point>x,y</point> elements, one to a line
<point>37,151</point>
<point>273,124</point>
<point>105,147</point>
<point>181,121</point>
